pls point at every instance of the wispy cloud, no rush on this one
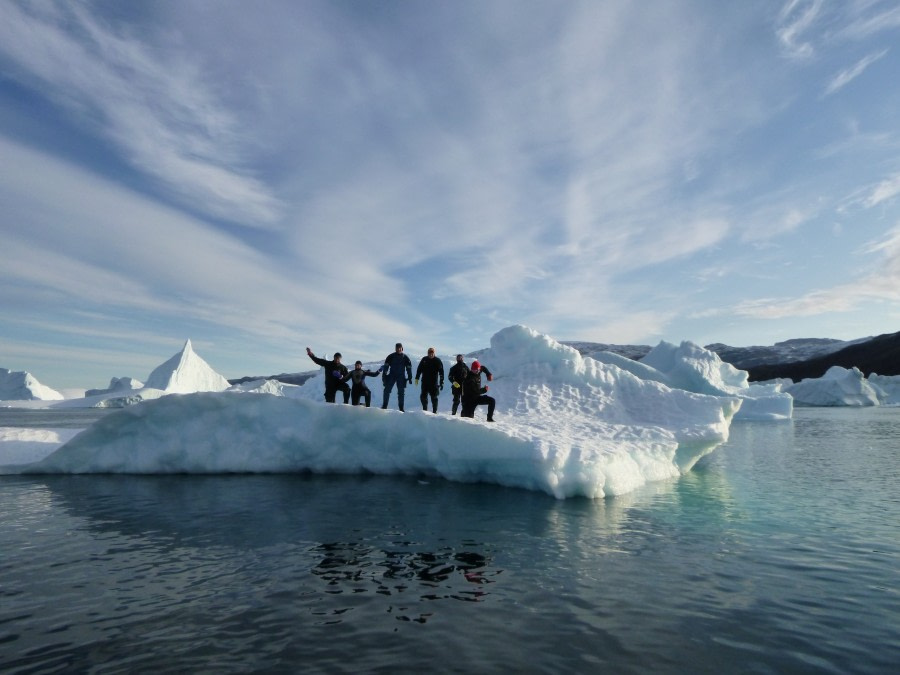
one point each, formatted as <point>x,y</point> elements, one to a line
<point>872,19</point>
<point>881,284</point>
<point>885,190</point>
<point>154,105</point>
<point>795,19</point>
<point>843,78</point>
<point>118,250</point>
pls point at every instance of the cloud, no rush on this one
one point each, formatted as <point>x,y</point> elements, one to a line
<point>119,252</point>
<point>868,24</point>
<point>795,19</point>
<point>846,76</point>
<point>885,190</point>
<point>882,284</point>
<point>152,101</point>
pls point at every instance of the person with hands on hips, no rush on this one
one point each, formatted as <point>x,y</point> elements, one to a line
<point>431,372</point>
<point>397,370</point>
<point>336,376</point>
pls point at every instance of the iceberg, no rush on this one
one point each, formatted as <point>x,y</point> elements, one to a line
<point>694,368</point>
<point>837,387</point>
<point>23,386</point>
<point>567,425</point>
<point>116,385</point>
<point>887,388</point>
<point>186,373</point>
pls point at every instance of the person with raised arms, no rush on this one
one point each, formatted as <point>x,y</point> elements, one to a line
<point>336,376</point>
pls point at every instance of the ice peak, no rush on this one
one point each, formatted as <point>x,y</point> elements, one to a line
<point>186,373</point>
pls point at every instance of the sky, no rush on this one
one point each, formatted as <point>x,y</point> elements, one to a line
<point>262,177</point>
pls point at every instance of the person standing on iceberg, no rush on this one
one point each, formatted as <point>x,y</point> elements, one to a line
<point>336,376</point>
<point>430,370</point>
<point>474,395</point>
<point>397,370</point>
<point>457,376</point>
<point>359,389</point>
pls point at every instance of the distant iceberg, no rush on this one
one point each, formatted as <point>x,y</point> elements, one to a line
<point>567,425</point>
<point>117,385</point>
<point>186,373</point>
<point>23,386</point>
<point>837,387</point>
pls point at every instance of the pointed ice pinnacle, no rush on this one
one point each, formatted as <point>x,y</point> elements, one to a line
<point>186,373</point>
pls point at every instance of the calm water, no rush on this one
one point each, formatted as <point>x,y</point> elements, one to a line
<point>778,553</point>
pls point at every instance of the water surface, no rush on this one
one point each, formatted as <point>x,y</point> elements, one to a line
<point>779,552</point>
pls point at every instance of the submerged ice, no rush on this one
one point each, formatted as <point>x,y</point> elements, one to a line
<point>567,425</point>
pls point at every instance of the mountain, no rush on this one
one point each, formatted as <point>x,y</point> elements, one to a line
<point>789,351</point>
<point>880,355</point>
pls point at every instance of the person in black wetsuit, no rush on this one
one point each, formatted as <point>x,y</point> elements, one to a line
<point>359,389</point>
<point>336,376</point>
<point>431,372</point>
<point>397,370</point>
<point>457,375</point>
<point>474,394</point>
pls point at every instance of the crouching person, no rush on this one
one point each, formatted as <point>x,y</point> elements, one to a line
<point>474,395</point>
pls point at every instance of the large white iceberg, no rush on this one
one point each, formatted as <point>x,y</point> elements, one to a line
<point>693,368</point>
<point>567,425</point>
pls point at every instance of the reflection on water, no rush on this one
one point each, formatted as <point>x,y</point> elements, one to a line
<point>439,575</point>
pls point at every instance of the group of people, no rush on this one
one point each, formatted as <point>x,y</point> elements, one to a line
<point>465,381</point>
